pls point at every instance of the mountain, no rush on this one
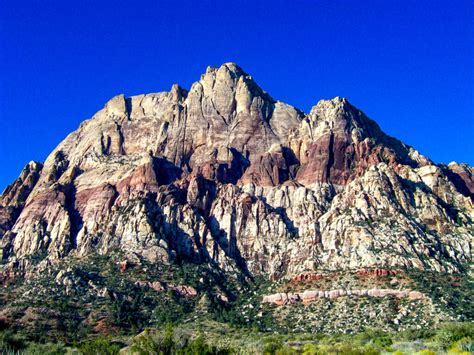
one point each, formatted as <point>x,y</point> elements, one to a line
<point>225,178</point>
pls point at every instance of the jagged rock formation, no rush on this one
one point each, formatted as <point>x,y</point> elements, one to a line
<point>225,174</point>
<point>13,198</point>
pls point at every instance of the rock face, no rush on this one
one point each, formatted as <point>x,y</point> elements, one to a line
<point>311,295</point>
<point>225,174</point>
<point>13,198</point>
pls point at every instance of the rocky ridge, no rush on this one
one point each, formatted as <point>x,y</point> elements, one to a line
<point>224,174</point>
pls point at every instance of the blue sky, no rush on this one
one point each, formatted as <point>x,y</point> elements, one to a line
<point>407,64</point>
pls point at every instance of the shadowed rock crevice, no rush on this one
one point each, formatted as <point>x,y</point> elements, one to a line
<point>58,167</point>
<point>238,165</point>
<point>330,162</point>
<point>281,212</point>
<point>166,172</point>
<point>228,243</point>
<point>412,187</point>
<point>201,194</point>
<point>461,177</point>
<point>292,164</point>
<point>71,207</point>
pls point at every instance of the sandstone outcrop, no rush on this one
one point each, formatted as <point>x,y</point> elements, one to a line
<point>308,296</point>
<point>225,174</point>
<point>377,273</point>
<point>14,197</point>
<point>183,290</point>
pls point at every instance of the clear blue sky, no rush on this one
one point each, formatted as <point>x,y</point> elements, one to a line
<point>407,64</point>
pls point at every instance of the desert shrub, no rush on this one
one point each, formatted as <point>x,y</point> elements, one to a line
<point>11,342</point>
<point>165,344</point>
<point>47,348</point>
<point>199,346</point>
<point>453,300</point>
<point>462,346</point>
<point>287,350</point>
<point>426,352</point>
<point>272,344</point>
<point>382,342</point>
<point>450,333</point>
<point>310,349</point>
<point>347,349</point>
<point>172,308</point>
<point>155,344</point>
<point>98,346</point>
<point>414,334</point>
<point>375,337</point>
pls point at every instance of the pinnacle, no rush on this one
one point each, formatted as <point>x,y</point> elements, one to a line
<point>33,165</point>
<point>335,101</point>
<point>231,67</point>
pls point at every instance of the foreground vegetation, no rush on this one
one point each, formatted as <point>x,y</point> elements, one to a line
<point>218,338</point>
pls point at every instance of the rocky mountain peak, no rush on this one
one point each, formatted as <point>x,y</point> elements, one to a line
<point>228,90</point>
<point>225,174</point>
<point>233,69</point>
<point>338,115</point>
<point>117,107</point>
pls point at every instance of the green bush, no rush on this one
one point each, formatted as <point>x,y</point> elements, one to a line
<point>375,337</point>
<point>414,334</point>
<point>426,352</point>
<point>310,349</point>
<point>149,344</point>
<point>347,349</point>
<point>98,346</point>
<point>464,345</point>
<point>48,348</point>
<point>198,346</point>
<point>172,308</point>
<point>382,342</point>
<point>271,344</point>
<point>11,342</point>
<point>166,345</point>
<point>450,333</point>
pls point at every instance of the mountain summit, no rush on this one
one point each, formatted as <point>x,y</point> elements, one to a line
<point>225,174</point>
<point>222,202</point>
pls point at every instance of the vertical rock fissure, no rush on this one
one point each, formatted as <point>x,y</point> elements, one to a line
<point>121,139</point>
<point>74,214</point>
<point>330,162</point>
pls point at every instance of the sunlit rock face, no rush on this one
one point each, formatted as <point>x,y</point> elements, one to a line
<point>225,174</point>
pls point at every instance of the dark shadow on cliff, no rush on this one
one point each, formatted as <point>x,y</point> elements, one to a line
<point>166,172</point>
<point>75,217</point>
<point>228,243</point>
<point>183,247</point>
<point>280,211</point>
<point>231,173</point>
<point>458,182</point>
<point>292,163</point>
<point>411,187</point>
<point>434,250</point>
